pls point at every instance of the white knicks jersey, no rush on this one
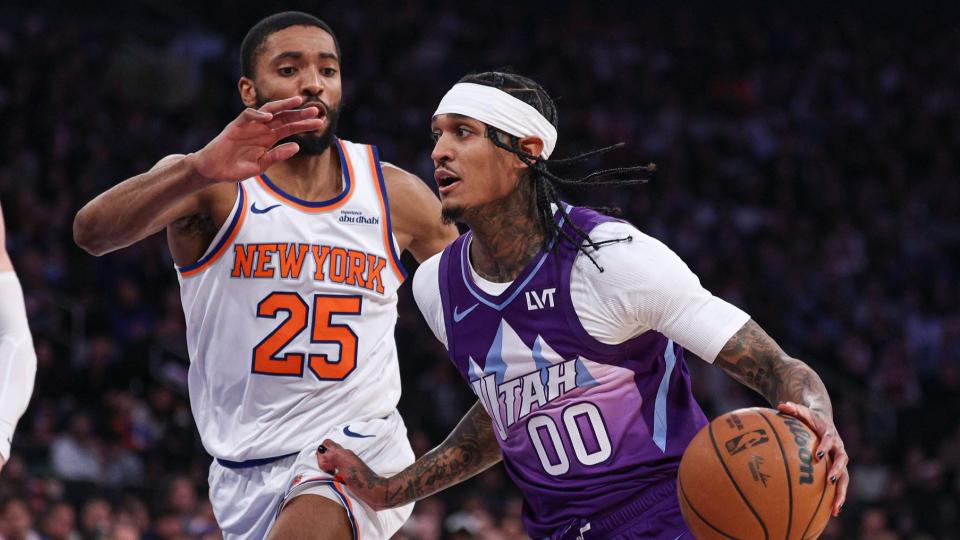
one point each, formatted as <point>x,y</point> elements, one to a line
<point>291,313</point>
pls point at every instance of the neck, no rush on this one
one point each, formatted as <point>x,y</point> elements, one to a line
<point>506,235</point>
<point>310,177</point>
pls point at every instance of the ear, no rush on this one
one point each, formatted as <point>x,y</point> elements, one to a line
<point>532,145</point>
<point>248,92</point>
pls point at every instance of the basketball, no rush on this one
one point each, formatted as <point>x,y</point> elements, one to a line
<point>752,473</point>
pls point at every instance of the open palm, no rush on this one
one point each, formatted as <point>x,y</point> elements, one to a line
<point>246,147</point>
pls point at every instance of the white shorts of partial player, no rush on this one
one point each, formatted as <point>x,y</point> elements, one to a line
<point>246,501</point>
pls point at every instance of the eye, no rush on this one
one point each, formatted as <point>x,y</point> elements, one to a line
<point>286,71</point>
<point>435,136</point>
<point>462,131</point>
<point>329,72</point>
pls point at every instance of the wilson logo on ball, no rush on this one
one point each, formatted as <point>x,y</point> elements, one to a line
<point>802,437</point>
<point>746,440</point>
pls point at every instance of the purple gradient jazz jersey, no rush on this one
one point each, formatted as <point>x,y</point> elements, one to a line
<point>586,428</point>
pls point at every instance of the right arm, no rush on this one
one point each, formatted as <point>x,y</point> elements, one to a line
<point>142,205</point>
<point>179,186</point>
<point>470,449</point>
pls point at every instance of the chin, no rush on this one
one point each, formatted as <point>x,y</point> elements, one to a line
<point>451,213</point>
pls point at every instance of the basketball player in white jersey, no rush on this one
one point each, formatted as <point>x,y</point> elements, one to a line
<point>287,242</point>
<point>18,361</point>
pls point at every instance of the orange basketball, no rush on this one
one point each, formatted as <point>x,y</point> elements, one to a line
<point>752,474</point>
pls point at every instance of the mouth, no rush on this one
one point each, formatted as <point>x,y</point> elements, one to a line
<point>321,112</point>
<point>446,180</point>
<point>321,107</point>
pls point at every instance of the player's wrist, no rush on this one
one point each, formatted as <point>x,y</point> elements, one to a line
<point>198,165</point>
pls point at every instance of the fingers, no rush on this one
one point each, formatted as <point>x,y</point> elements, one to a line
<point>841,495</point>
<point>829,439</point>
<point>330,443</point>
<point>811,419</point>
<point>253,115</point>
<point>801,412</point>
<point>302,126</point>
<point>286,117</point>
<point>280,153</point>
<point>281,104</point>
<point>830,444</point>
<point>278,113</point>
<point>840,460</point>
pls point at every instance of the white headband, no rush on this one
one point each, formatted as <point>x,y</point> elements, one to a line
<point>500,110</point>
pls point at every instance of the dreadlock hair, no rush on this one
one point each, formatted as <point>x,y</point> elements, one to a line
<point>531,93</point>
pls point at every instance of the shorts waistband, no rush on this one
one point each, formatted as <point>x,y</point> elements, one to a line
<point>252,462</point>
<point>600,526</point>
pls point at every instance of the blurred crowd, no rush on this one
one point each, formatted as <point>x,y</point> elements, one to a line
<point>808,164</point>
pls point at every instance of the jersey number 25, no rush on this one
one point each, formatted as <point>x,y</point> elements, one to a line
<point>266,355</point>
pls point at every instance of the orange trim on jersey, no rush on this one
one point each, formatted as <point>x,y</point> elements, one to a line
<point>227,239</point>
<point>351,515</point>
<point>337,487</point>
<point>319,206</point>
<point>385,213</point>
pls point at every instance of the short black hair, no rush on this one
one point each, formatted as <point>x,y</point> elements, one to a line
<point>253,42</point>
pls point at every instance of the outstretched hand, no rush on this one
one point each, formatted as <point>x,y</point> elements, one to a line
<point>246,147</point>
<point>830,444</point>
<point>351,471</point>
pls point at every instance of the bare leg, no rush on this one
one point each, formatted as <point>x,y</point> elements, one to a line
<point>312,517</point>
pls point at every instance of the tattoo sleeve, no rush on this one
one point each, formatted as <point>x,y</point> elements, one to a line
<point>470,449</point>
<point>754,358</point>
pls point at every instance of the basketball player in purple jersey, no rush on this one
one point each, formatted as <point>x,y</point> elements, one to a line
<point>570,326</point>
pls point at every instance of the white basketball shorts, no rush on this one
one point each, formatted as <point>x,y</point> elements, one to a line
<point>247,499</point>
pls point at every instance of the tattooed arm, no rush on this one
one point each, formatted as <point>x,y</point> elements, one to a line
<point>753,358</point>
<point>470,449</point>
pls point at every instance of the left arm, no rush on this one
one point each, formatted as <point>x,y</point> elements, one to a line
<point>470,449</point>
<point>18,361</point>
<point>415,213</point>
<point>754,359</point>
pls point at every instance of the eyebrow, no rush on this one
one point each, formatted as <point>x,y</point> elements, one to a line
<point>455,116</point>
<point>299,54</point>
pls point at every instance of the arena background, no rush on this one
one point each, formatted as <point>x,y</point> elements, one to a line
<point>808,172</point>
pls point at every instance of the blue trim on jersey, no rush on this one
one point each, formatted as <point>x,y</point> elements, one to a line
<point>343,502</point>
<point>473,370</point>
<point>242,196</point>
<point>346,506</point>
<point>386,206</point>
<point>252,462</point>
<point>542,363</point>
<point>494,362</point>
<point>318,204</point>
<point>584,377</point>
<point>660,403</point>
<point>465,261</point>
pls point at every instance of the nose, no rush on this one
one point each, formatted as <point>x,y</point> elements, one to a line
<point>442,151</point>
<point>311,83</point>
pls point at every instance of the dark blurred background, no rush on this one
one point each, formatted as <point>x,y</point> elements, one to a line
<point>808,159</point>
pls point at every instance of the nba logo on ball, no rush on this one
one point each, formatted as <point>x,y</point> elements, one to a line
<point>750,474</point>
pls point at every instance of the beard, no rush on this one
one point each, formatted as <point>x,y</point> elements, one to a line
<point>312,143</point>
<point>452,214</point>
